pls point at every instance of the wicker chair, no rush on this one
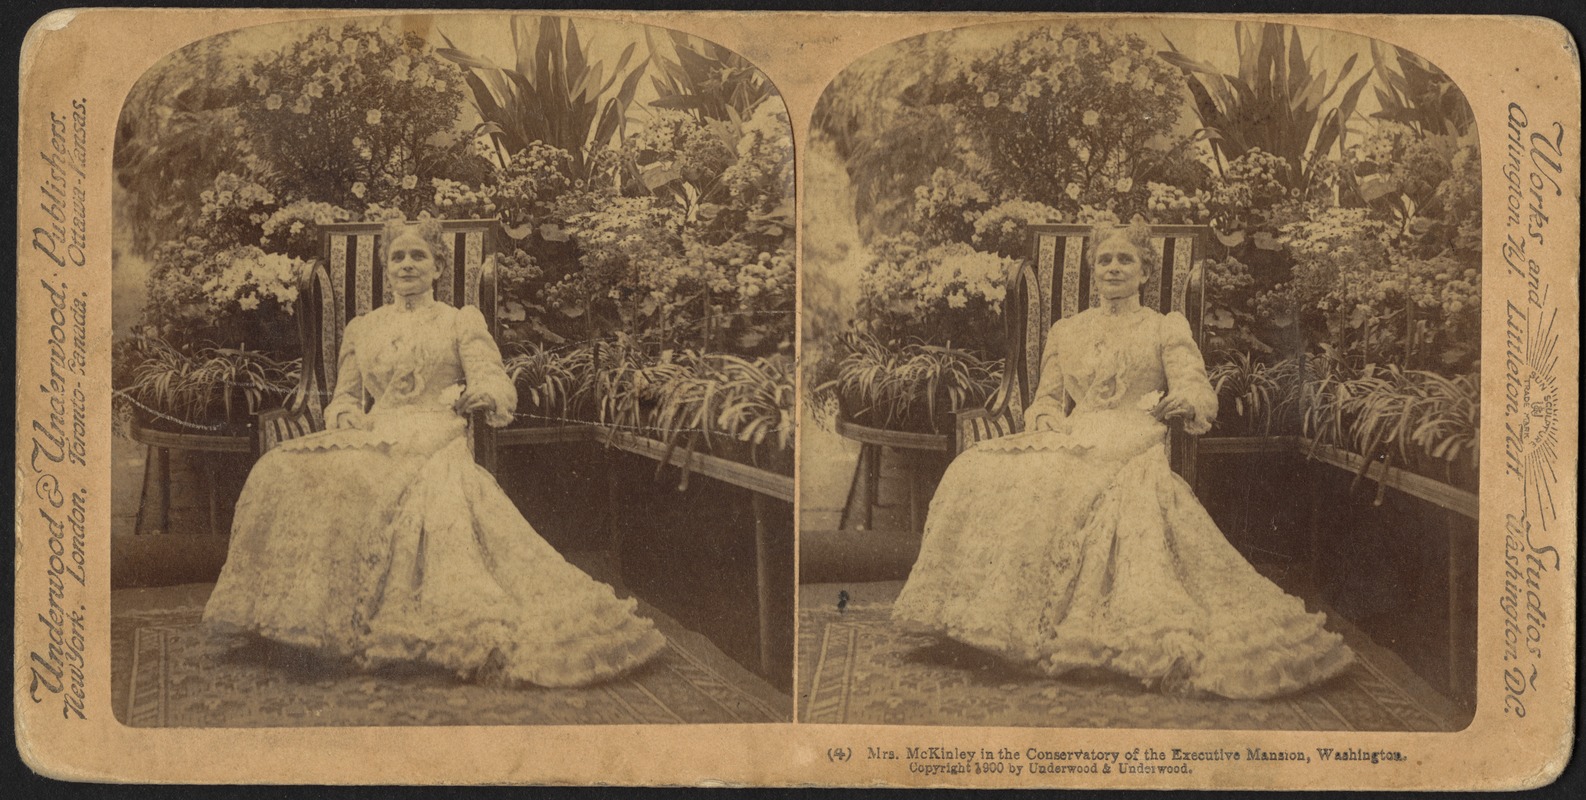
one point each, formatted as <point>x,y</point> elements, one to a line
<point>1055,282</point>
<point>349,281</point>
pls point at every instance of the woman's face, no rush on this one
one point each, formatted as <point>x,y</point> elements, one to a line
<point>410,266</point>
<point>1119,271</point>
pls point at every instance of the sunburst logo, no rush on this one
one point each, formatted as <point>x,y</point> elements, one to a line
<point>1533,425</point>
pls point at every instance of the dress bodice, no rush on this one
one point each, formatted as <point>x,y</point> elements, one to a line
<point>417,360</point>
<point>1101,361</point>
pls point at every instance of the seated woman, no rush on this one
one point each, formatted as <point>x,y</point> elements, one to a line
<point>379,540</point>
<point>1073,545</point>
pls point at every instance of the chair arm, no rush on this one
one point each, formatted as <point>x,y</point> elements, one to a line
<point>279,425</point>
<point>975,425</point>
<point>482,440</point>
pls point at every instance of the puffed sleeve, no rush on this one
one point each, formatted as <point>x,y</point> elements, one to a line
<point>1186,372</point>
<point>348,397</point>
<point>482,366</point>
<point>1050,396</point>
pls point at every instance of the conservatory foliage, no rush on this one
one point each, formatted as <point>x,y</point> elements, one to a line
<point>645,262</point>
<point>1342,286</point>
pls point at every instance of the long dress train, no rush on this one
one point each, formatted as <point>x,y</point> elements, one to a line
<point>1080,548</point>
<point>389,544</point>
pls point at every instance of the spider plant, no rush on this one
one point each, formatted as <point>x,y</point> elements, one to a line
<point>1256,391</point>
<point>750,401</point>
<point>553,384</point>
<point>1449,425</point>
<point>1403,414</point>
<point>912,387</point>
<point>204,387</point>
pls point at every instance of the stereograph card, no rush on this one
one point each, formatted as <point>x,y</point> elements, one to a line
<point>792,398</point>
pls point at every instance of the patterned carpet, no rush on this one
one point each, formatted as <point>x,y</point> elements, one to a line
<point>167,674</point>
<point>856,667</point>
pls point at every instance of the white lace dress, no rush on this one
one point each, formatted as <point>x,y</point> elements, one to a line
<point>391,545</point>
<point>1080,548</point>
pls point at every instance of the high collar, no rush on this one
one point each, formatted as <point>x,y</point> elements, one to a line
<point>419,302</point>
<point>1120,308</point>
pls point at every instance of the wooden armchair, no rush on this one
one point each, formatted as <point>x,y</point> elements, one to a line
<point>1055,282</point>
<point>349,281</point>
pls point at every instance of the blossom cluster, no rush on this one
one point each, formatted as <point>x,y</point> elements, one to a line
<point>949,292</point>
<point>248,276</point>
<point>293,229</point>
<point>764,165</point>
<point>1169,204</point>
<point>1004,228</point>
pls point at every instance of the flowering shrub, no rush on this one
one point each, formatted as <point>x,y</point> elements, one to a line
<point>1170,204</point>
<point>357,114</point>
<point>1063,116</point>
<point>232,210</point>
<point>250,277</point>
<point>679,237</point>
<point>1005,228</point>
<point>293,229</point>
<point>686,230</point>
<point>949,294</point>
<point>238,296</point>
<point>458,200</point>
<point>762,175</point>
<point>528,185</point>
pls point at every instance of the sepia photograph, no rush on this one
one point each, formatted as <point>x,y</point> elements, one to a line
<point>753,399</point>
<point>1142,368</point>
<point>453,379</point>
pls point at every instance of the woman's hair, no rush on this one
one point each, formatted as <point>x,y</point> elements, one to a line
<point>426,228</point>
<point>1136,233</point>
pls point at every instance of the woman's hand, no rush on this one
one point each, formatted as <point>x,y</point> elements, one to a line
<point>355,420</point>
<point>1046,422</point>
<point>1173,406</point>
<point>472,400</point>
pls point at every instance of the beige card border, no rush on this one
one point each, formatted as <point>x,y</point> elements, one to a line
<point>95,55</point>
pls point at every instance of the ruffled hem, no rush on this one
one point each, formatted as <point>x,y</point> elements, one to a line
<point>501,652</point>
<point>1122,571</point>
<point>339,439</point>
<point>554,647</point>
<point>1110,434</point>
<point>1170,659</point>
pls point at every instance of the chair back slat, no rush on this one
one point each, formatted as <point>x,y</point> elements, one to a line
<point>1056,282</point>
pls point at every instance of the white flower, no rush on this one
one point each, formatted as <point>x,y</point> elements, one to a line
<point>410,181</point>
<point>373,117</point>
<point>1125,184</point>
